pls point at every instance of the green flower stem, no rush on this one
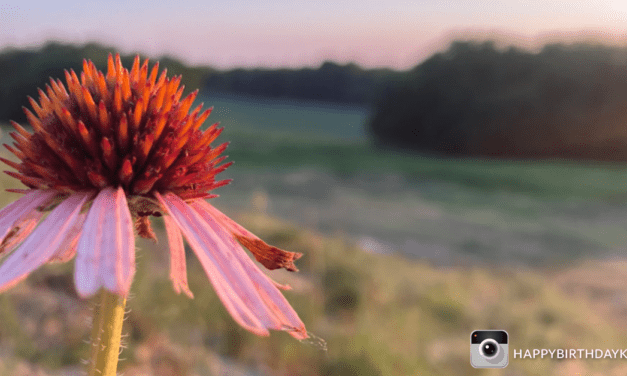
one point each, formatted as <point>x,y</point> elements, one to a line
<point>106,334</point>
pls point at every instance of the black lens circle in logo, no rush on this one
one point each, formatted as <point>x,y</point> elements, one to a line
<point>489,348</point>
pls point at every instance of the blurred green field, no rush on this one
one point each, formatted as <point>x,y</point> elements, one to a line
<point>544,179</point>
<point>290,134</point>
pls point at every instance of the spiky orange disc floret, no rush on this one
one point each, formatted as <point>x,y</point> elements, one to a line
<point>124,128</point>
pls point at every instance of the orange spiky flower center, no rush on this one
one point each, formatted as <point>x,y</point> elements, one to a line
<point>124,128</point>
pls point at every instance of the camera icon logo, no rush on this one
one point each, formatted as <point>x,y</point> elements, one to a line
<point>489,349</point>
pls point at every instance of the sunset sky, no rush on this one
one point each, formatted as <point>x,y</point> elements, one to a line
<point>295,33</point>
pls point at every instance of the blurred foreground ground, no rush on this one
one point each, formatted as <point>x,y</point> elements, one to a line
<point>379,315</point>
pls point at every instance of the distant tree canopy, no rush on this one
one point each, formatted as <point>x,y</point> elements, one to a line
<point>331,82</point>
<point>565,101</point>
<point>23,71</point>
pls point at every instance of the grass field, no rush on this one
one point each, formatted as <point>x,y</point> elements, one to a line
<point>292,134</point>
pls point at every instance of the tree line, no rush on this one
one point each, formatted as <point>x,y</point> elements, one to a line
<point>474,99</point>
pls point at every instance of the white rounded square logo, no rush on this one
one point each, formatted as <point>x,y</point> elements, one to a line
<point>489,349</point>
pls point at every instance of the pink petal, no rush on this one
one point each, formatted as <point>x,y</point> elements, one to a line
<point>178,267</point>
<point>266,287</point>
<point>269,256</point>
<point>105,255</point>
<point>20,217</point>
<point>67,250</point>
<point>244,294</point>
<point>225,280</point>
<point>43,242</point>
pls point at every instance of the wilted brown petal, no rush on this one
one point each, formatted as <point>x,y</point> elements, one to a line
<point>269,256</point>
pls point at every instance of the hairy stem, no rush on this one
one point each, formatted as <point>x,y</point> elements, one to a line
<point>106,334</point>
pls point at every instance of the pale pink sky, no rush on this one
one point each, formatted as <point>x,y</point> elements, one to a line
<point>296,33</point>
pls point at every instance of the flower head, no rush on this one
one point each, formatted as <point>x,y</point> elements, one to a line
<point>107,153</point>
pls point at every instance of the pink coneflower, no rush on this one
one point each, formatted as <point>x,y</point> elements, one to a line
<point>107,153</point>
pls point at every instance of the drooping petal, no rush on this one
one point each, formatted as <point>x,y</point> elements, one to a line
<point>20,217</point>
<point>237,297</point>
<point>105,255</point>
<point>249,304</point>
<point>43,242</point>
<point>266,287</point>
<point>178,267</point>
<point>269,256</point>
